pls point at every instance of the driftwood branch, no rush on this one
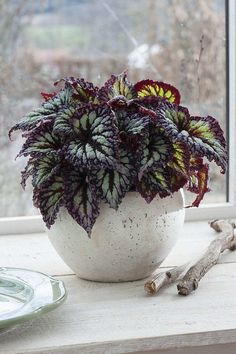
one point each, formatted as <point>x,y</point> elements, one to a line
<point>225,240</point>
<point>191,275</point>
<point>164,278</point>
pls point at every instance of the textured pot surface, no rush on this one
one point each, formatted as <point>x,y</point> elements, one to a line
<point>127,244</point>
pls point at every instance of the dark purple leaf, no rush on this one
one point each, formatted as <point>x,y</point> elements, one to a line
<point>154,183</point>
<point>27,172</point>
<point>198,183</point>
<point>176,179</point>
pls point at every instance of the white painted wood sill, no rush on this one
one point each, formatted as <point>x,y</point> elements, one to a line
<point>119,318</point>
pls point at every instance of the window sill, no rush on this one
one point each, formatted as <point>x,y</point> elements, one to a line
<point>119,318</point>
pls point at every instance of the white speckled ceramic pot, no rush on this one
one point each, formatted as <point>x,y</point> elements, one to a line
<point>127,244</point>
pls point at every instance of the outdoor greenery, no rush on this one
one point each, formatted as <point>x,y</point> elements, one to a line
<point>56,37</point>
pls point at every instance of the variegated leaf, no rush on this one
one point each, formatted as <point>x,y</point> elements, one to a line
<point>206,138</point>
<point>112,185</point>
<point>131,123</point>
<point>82,91</point>
<point>45,168</point>
<point>117,85</point>
<point>63,122</point>
<point>173,119</point>
<point>40,142</point>
<point>202,135</point>
<point>96,138</point>
<point>133,128</point>
<point>81,201</point>
<point>49,199</point>
<point>153,106</point>
<point>156,150</point>
<point>157,88</point>
<point>48,111</point>
<point>179,161</point>
<point>154,183</point>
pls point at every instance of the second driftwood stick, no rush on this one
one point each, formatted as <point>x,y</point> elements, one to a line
<point>225,240</point>
<point>188,275</point>
<point>162,279</point>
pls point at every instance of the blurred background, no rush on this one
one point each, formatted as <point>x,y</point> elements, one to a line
<point>179,42</point>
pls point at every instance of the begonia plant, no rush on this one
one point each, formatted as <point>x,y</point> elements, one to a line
<point>88,145</point>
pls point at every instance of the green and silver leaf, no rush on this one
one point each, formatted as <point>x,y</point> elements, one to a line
<point>81,201</point>
<point>45,168</point>
<point>112,184</point>
<point>48,111</point>
<point>40,142</point>
<point>95,138</point>
<point>63,123</point>
<point>49,199</point>
<point>156,150</point>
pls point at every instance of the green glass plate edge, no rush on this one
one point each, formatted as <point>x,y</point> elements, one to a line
<point>56,285</point>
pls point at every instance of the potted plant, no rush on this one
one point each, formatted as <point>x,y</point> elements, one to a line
<point>110,162</point>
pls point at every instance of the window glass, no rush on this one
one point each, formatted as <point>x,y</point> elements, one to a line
<point>179,42</point>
